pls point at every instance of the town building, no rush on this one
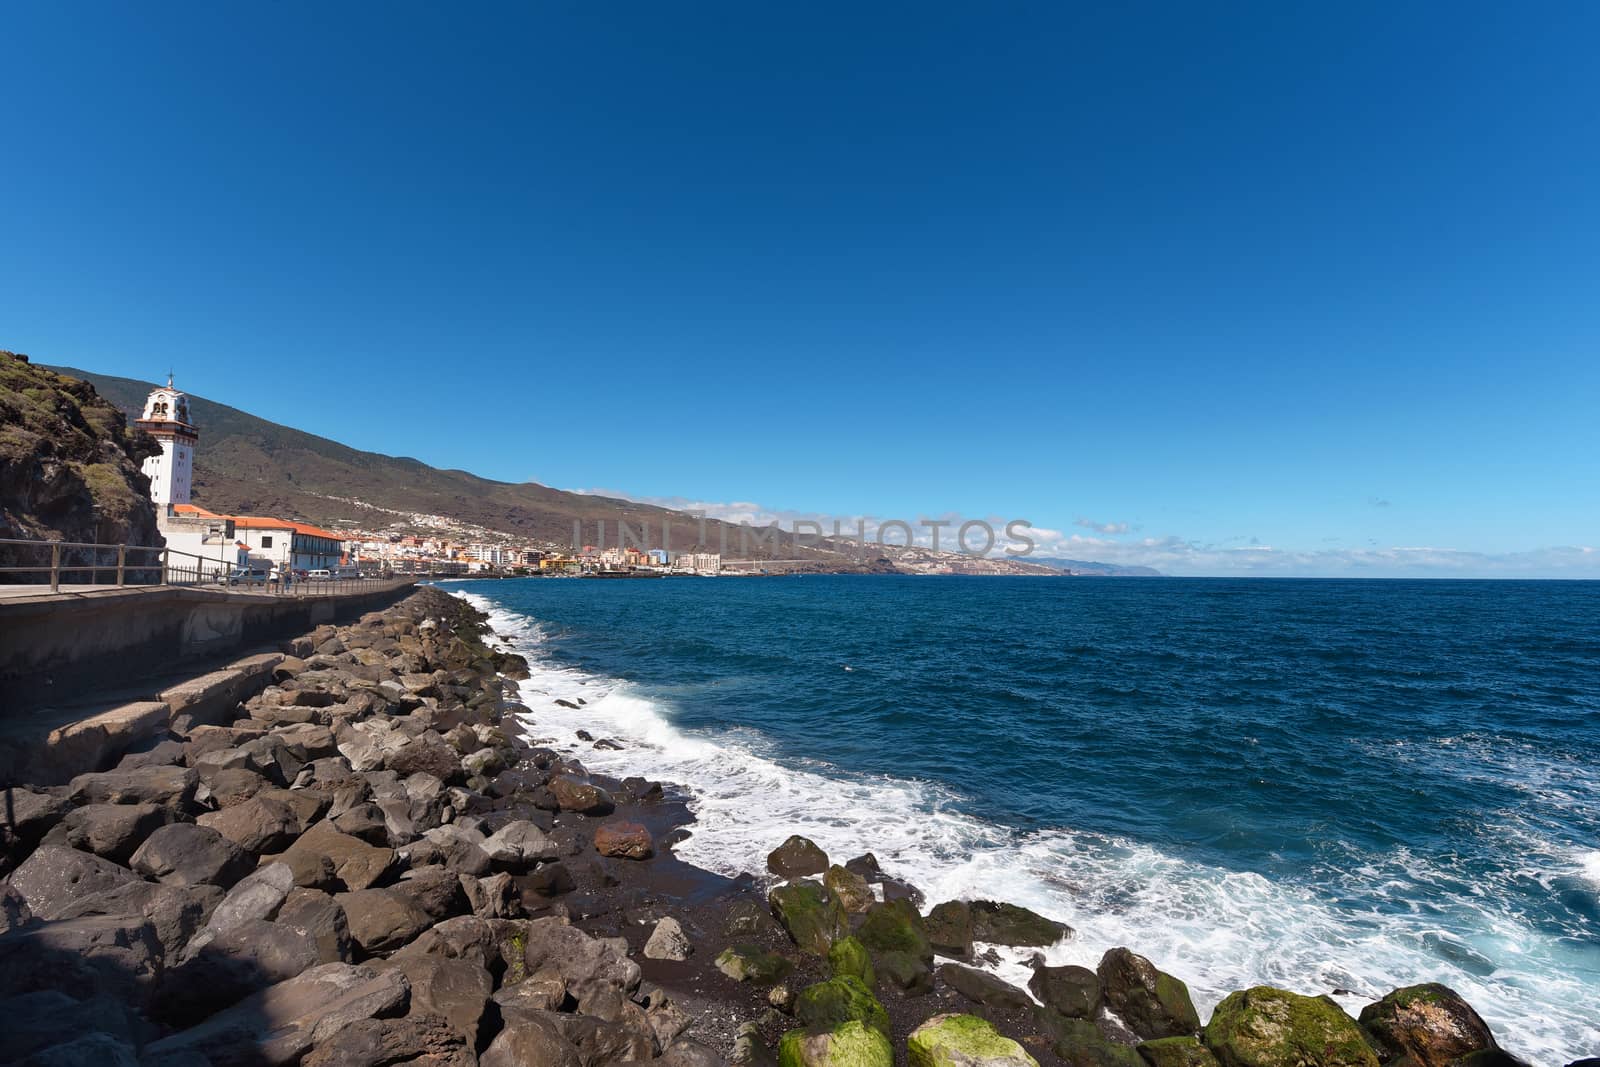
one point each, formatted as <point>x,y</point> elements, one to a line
<point>166,418</point>
<point>698,562</point>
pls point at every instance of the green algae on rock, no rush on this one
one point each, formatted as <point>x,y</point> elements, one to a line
<point>964,1041</point>
<point>838,1000</point>
<point>854,894</point>
<point>848,956</point>
<point>999,923</point>
<point>750,963</point>
<point>1081,1043</point>
<point>850,1044</point>
<point>949,928</point>
<point>1176,1052</point>
<point>811,915</point>
<point>1268,1027</point>
<point>901,954</point>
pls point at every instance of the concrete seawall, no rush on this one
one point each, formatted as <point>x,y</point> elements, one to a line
<point>55,648</point>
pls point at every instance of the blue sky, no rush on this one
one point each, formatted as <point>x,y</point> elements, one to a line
<point>1229,288</point>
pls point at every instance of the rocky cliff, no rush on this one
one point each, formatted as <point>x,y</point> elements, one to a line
<point>69,462</point>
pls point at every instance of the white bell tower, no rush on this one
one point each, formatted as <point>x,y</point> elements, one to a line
<point>166,417</point>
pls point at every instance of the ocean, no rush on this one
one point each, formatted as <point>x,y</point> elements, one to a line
<point>1331,786</point>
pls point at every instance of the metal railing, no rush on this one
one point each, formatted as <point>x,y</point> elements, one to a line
<point>79,563</point>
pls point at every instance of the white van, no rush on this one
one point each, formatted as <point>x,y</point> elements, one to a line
<point>319,576</point>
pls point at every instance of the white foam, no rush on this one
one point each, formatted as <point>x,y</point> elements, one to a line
<point>1218,929</point>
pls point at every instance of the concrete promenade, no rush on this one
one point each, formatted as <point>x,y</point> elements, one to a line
<point>56,647</point>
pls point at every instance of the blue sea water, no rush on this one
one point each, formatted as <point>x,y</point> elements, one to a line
<point>1324,785</point>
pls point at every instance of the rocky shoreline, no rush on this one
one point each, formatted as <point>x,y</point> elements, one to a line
<point>371,864</point>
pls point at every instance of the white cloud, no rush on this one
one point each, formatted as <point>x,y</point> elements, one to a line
<point>1101,527</point>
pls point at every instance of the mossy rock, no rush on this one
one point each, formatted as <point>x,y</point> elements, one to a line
<point>895,926</point>
<point>1080,1043</point>
<point>1073,991</point>
<point>838,1000</point>
<point>848,956</point>
<point>1152,1002</point>
<point>750,963</point>
<point>1177,1052</point>
<point>909,973</point>
<point>999,923</point>
<point>949,928</point>
<point>850,1044</point>
<point>964,1041</point>
<point>854,894</point>
<point>1430,1023</point>
<point>811,915</point>
<point>1268,1027</point>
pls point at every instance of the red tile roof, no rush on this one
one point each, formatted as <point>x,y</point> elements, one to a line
<point>260,522</point>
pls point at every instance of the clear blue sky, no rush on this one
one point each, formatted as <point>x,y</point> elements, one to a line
<point>1319,279</point>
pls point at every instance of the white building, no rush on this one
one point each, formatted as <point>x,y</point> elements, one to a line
<point>698,562</point>
<point>166,418</point>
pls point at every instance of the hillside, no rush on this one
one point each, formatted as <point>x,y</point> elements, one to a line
<point>69,463</point>
<point>246,464</point>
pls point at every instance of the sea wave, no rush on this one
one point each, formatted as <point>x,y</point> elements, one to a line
<point>1218,929</point>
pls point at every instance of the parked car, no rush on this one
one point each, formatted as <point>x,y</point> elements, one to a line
<point>241,576</point>
<point>319,575</point>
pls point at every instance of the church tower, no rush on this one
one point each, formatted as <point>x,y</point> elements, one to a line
<point>166,417</point>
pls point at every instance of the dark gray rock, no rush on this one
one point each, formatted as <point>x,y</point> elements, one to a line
<point>428,753</point>
<point>796,858</point>
<point>460,848</point>
<point>319,916</point>
<point>1153,1003</point>
<point>176,912</point>
<point>230,786</point>
<point>118,956</point>
<point>166,752</point>
<point>518,846</point>
<point>113,831</point>
<point>584,962</point>
<point>436,890</point>
<point>171,787</point>
<point>26,815</point>
<point>984,988</point>
<point>246,957</point>
<point>357,865</point>
<point>35,1021</point>
<point>382,920</point>
<point>999,923</point>
<point>531,1041</point>
<point>259,895</point>
<point>579,795</point>
<point>1073,991</point>
<point>280,1024</point>
<point>686,1053</point>
<point>99,1049</point>
<point>258,825</point>
<point>188,854</point>
<point>455,990</point>
<point>54,878</point>
<point>416,1039</point>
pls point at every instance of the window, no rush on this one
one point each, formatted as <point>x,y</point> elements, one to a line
<point>266,542</point>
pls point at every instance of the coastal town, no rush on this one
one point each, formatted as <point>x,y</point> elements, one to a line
<point>262,547</point>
